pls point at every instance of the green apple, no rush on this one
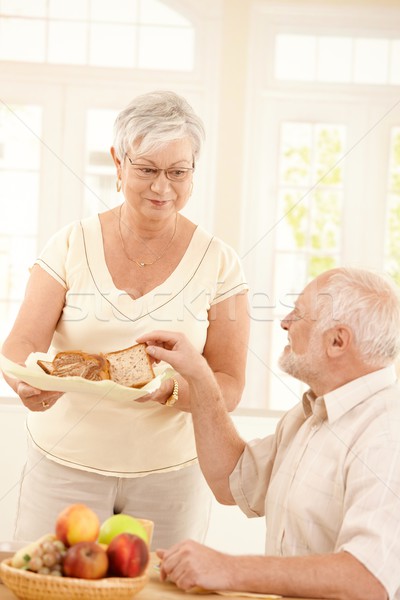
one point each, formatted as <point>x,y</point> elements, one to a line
<point>121,523</point>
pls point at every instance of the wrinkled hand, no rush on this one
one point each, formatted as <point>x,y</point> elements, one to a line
<point>37,400</point>
<point>175,349</point>
<point>190,564</point>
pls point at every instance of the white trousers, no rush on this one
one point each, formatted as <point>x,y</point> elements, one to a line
<point>178,502</point>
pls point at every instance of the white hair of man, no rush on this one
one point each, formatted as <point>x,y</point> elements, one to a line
<point>153,119</point>
<point>369,304</point>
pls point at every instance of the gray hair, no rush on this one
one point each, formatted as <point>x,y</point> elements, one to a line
<point>154,119</point>
<point>369,304</point>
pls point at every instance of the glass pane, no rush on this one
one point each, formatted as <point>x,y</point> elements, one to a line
<point>293,216</point>
<point>24,8</point>
<point>156,13</point>
<point>326,209</point>
<point>73,9</point>
<point>177,48</point>
<point>100,175</point>
<point>67,43</point>
<point>31,32</point>
<point>119,51</point>
<point>295,57</point>
<point>18,203</point>
<point>290,278</point>
<point>334,59</point>
<point>395,62</point>
<point>19,126</point>
<point>295,163</point>
<point>392,238</point>
<point>122,11</point>
<point>16,256</point>
<point>371,64</point>
<point>329,149</point>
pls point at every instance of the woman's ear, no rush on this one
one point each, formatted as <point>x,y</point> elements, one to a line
<point>339,340</point>
<point>115,158</point>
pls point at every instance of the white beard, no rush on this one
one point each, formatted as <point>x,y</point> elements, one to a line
<point>307,367</point>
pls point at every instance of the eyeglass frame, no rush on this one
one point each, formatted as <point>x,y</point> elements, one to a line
<point>187,170</point>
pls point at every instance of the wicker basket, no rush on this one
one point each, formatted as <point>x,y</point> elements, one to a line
<point>31,586</point>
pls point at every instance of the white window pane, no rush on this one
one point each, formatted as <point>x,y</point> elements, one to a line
<point>334,59</point>
<point>371,61</point>
<point>67,43</point>
<point>119,51</point>
<point>100,173</point>
<point>295,57</point>
<point>24,8</point>
<point>19,202</point>
<point>22,39</point>
<point>123,11</point>
<point>166,48</point>
<point>20,131</point>
<point>296,154</point>
<point>156,13</point>
<point>72,9</point>
<point>395,63</point>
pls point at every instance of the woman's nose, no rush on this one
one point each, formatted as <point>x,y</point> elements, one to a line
<point>161,182</point>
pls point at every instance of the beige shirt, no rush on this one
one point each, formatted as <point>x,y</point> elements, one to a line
<point>329,478</point>
<point>121,437</point>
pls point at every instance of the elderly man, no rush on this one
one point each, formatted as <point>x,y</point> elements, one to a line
<point>328,480</point>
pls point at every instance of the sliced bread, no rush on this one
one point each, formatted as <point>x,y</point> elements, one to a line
<point>131,367</point>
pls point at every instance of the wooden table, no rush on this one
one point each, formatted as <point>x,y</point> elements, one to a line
<point>155,590</point>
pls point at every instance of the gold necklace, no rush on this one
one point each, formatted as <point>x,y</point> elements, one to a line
<point>141,263</point>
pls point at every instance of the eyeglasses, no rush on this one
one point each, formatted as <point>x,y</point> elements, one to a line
<point>172,173</point>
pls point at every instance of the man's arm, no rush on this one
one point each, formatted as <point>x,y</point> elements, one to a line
<point>218,444</point>
<point>340,576</point>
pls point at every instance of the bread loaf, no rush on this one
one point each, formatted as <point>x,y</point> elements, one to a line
<point>130,367</point>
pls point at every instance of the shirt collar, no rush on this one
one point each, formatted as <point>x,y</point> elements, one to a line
<point>336,403</point>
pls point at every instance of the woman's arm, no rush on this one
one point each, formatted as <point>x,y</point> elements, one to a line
<point>33,331</point>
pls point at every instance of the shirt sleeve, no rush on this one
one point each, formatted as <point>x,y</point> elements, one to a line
<point>371,524</point>
<point>53,258</point>
<point>250,479</point>
<point>231,279</point>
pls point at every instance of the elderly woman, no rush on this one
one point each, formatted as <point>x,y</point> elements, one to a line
<point>97,286</point>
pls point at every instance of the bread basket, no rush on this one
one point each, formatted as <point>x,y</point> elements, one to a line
<point>32,586</point>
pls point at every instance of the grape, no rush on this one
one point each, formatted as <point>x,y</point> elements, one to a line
<point>35,563</point>
<point>49,559</point>
<point>46,559</point>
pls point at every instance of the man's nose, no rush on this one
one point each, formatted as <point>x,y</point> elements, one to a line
<point>286,321</point>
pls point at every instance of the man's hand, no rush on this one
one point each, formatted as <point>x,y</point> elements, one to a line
<point>176,350</point>
<point>190,564</point>
<point>36,400</point>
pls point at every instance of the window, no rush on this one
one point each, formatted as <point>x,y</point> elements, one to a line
<point>323,168</point>
<point>134,31</point>
<point>58,108</point>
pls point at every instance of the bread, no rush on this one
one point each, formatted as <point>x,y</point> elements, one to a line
<point>130,367</point>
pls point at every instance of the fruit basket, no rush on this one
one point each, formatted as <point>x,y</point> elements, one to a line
<point>31,586</point>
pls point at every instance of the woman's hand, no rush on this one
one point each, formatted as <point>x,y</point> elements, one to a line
<point>160,395</point>
<point>36,400</point>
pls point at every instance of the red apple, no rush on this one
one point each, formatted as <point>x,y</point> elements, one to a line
<point>128,555</point>
<point>86,560</point>
<point>77,523</point>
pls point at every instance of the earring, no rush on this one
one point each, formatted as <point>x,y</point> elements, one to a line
<point>118,184</point>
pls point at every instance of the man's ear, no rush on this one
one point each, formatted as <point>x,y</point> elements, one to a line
<point>338,340</point>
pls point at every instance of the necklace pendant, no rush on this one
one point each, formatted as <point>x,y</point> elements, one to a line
<point>142,264</point>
